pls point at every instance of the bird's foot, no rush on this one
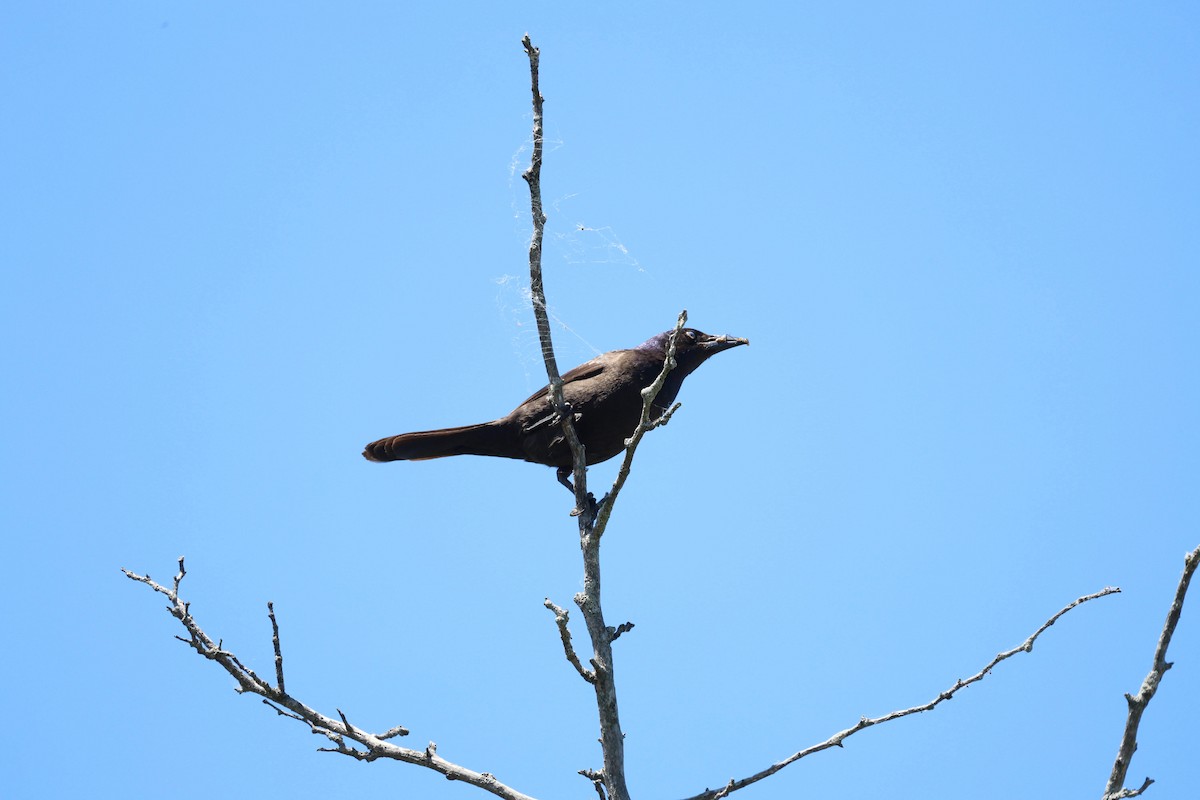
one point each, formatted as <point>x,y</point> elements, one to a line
<point>593,507</point>
<point>564,477</point>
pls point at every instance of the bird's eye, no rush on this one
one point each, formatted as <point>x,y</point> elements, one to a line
<point>692,335</point>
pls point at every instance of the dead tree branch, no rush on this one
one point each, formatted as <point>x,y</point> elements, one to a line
<point>1137,703</point>
<point>340,732</point>
<point>561,618</point>
<point>537,291</point>
<point>866,722</point>
<point>644,426</point>
<point>612,740</point>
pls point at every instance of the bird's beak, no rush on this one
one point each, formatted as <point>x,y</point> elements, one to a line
<point>715,344</point>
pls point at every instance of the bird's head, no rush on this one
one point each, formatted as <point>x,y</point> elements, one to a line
<point>692,347</point>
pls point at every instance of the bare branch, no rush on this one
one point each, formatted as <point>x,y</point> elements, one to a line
<point>597,780</point>
<point>392,733</point>
<point>537,290</point>
<point>1137,703</point>
<point>561,617</point>
<point>275,644</point>
<point>1130,792</point>
<point>283,712</point>
<point>337,731</point>
<point>612,741</point>
<point>615,633</point>
<point>866,722</point>
<point>723,793</point>
<point>645,424</point>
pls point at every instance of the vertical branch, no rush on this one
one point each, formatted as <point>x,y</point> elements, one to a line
<point>278,651</point>
<point>612,741</point>
<point>533,177</point>
<point>1137,703</point>
<point>644,426</point>
<point>537,289</point>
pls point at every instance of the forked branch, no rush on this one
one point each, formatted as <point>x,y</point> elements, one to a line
<point>644,426</point>
<point>537,294</point>
<point>601,676</point>
<point>339,731</point>
<point>866,722</point>
<point>1138,702</point>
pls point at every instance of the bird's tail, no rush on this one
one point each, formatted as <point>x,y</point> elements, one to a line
<point>484,439</point>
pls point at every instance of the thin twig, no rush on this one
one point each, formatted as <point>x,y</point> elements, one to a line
<point>866,722</point>
<point>612,741</point>
<point>1137,703</point>
<point>537,291</point>
<point>336,731</point>
<point>645,424</point>
<point>392,733</point>
<point>1121,795</point>
<point>597,780</point>
<point>278,652</point>
<point>561,617</point>
<point>615,633</point>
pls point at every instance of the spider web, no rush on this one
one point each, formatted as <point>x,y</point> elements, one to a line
<point>580,245</point>
<point>583,243</point>
<point>513,298</point>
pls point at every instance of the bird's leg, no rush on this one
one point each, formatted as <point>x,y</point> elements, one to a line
<point>564,473</point>
<point>564,477</point>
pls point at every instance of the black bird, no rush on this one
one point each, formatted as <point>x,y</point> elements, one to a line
<point>604,395</point>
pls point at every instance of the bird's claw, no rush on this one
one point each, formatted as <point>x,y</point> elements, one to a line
<point>563,412</point>
<point>564,477</point>
<point>593,507</point>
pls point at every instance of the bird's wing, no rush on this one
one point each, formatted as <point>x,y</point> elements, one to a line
<point>537,407</point>
<point>584,371</point>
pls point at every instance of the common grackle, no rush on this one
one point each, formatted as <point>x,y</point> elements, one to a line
<point>604,395</point>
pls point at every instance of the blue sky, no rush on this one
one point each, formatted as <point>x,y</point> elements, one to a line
<point>240,242</point>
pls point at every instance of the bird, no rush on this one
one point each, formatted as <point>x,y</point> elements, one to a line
<point>604,396</point>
